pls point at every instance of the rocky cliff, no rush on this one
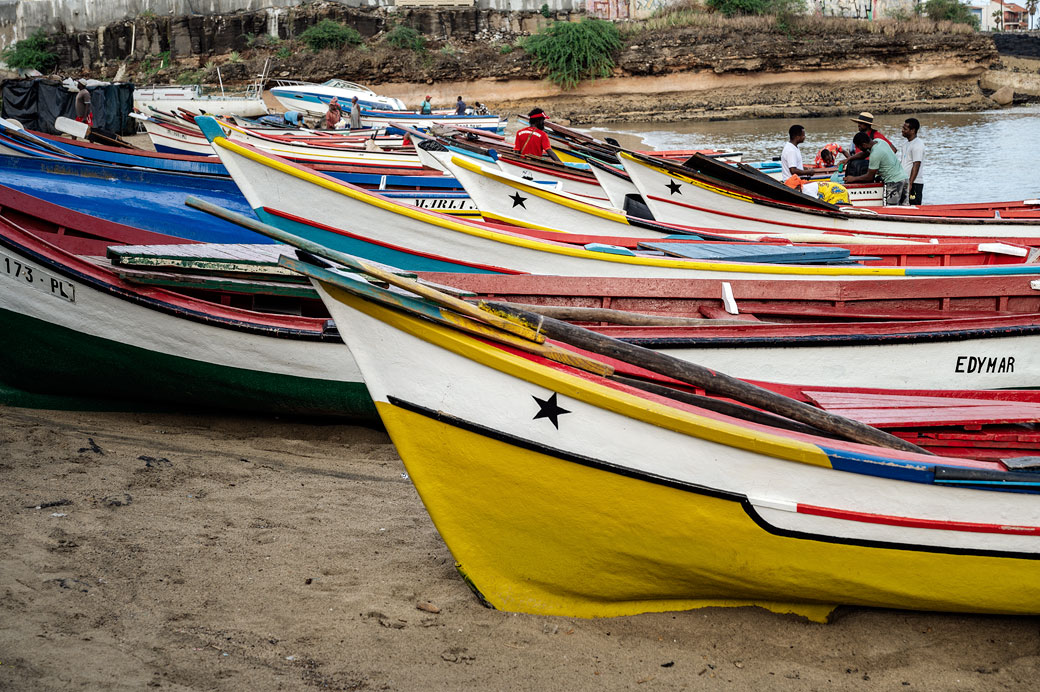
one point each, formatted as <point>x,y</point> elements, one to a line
<point>714,70</point>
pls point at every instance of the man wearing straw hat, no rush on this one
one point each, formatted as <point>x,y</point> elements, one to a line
<point>865,122</point>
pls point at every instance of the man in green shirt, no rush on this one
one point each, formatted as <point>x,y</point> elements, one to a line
<point>884,165</point>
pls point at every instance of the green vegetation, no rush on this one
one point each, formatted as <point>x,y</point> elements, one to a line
<point>234,57</point>
<point>545,10</point>
<point>406,38</point>
<point>951,10</point>
<point>505,49</point>
<point>571,52</point>
<point>330,34</point>
<point>785,18</point>
<point>161,60</point>
<point>283,53</point>
<point>191,76</point>
<point>732,8</point>
<point>31,54</point>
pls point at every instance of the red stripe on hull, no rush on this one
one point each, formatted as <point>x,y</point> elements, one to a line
<point>910,522</point>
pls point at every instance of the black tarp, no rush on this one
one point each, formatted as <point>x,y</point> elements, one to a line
<point>37,103</point>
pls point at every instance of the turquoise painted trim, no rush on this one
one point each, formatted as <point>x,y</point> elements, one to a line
<point>994,270</point>
<point>471,154</point>
<point>609,249</point>
<point>401,259</point>
<point>209,127</point>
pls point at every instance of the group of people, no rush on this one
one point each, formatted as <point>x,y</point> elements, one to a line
<point>334,115</point>
<point>899,171</point>
<point>426,108</point>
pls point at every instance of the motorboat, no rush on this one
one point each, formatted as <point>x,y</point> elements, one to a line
<point>313,99</point>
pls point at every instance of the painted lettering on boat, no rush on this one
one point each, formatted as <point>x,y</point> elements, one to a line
<point>442,203</point>
<point>19,271</point>
<point>985,364</point>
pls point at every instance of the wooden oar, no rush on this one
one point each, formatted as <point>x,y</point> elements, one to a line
<point>707,379</point>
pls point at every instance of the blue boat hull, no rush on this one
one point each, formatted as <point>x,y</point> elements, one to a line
<point>148,199</point>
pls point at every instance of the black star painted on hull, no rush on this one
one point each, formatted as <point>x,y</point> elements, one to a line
<point>548,408</point>
<point>518,200</point>
<point>673,187</point>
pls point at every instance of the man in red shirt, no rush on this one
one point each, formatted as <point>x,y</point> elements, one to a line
<point>532,140</point>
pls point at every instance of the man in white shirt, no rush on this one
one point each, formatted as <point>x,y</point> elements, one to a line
<point>912,157</point>
<point>791,158</point>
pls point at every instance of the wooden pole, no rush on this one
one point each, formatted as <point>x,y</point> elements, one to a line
<point>707,379</point>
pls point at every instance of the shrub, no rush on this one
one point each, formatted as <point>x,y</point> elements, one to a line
<point>31,54</point>
<point>781,8</point>
<point>574,51</point>
<point>330,34</point>
<point>191,77</point>
<point>545,10</point>
<point>406,38</point>
<point>283,53</point>
<point>952,10</point>
<point>505,49</point>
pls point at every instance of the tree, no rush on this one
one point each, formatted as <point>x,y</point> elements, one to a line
<point>952,10</point>
<point>1031,6</point>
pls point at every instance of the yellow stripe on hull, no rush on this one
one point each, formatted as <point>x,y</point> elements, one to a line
<point>537,534</point>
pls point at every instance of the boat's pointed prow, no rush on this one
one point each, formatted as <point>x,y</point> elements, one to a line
<point>209,126</point>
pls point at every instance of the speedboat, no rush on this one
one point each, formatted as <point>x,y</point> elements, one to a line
<point>313,99</point>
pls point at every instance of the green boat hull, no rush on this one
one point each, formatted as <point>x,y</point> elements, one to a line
<point>43,365</point>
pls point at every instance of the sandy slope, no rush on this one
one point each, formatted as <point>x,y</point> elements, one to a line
<point>201,553</point>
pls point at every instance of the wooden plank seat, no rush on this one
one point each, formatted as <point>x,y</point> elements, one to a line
<point>749,252</point>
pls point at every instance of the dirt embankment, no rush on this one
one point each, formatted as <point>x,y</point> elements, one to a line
<point>690,72</point>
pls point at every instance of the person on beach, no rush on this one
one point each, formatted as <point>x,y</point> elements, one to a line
<point>355,114</point>
<point>480,109</point>
<point>532,140</point>
<point>791,158</point>
<point>333,115</point>
<point>882,164</point>
<point>294,118</point>
<point>84,114</point>
<point>912,158</point>
<point>426,108</point>
<point>460,106</point>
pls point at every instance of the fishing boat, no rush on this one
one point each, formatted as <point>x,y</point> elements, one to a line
<point>71,327</point>
<point>564,488</point>
<point>679,194</point>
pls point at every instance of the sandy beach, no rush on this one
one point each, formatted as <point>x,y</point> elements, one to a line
<point>183,552</point>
